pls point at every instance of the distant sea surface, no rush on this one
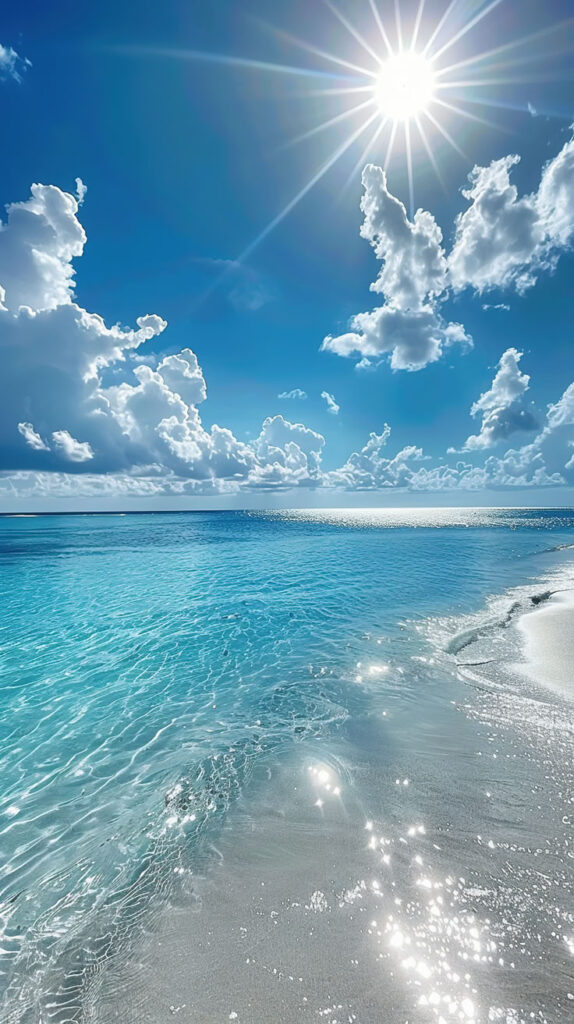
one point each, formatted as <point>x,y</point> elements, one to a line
<point>283,767</point>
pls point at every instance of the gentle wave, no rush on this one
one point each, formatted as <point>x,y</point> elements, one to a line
<point>455,634</point>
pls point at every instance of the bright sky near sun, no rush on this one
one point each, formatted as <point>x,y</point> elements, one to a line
<point>274,252</point>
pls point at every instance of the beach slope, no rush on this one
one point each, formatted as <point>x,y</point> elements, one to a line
<point>548,636</point>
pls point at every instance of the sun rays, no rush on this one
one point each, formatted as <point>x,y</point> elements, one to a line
<point>405,86</point>
<point>402,81</point>
<point>410,79</point>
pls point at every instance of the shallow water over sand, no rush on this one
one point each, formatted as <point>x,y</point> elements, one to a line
<point>281,768</point>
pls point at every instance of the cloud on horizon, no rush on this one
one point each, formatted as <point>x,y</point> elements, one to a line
<point>56,413</point>
<point>502,406</point>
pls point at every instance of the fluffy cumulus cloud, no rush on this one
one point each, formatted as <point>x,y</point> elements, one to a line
<point>504,240</point>
<point>182,373</point>
<point>59,414</point>
<point>546,461</point>
<point>73,450</point>
<point>408,327</point>
<point>37,245</point>
<point>12,65</point>
<point>288,454</point>
<point>542,462</point>
<point>372,469</point>
<point>87,409</point>
<point>502,407</point>
<point>562,413</point>
<point>32,438</point>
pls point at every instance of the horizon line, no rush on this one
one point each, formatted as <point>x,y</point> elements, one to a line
<point>303,508</point>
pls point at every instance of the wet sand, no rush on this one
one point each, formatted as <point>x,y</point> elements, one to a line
<point>378,887</point>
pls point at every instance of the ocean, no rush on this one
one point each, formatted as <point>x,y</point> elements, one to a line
<point>283,767</point>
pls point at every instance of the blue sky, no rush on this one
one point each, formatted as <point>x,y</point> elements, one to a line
<point>186,160</point>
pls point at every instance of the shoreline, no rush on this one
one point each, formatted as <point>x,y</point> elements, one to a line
<point>342,872</point>
<point>548,639</point>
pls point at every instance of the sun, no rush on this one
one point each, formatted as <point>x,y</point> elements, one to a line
<point>401,85</point>
<point>405,86</point>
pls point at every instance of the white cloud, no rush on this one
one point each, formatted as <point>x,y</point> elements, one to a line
<point>51,360</point>
<point>55,356</point>
<point>294,393</point>
<point>12,65</point>
<point>408,327</point>
<point>32,438</point>
<point>277,432</point>
<point>37,485</point>
<point>370,469</point>
<point>414,338</point>
<point>555,199</point>
<point>562,413</point>
<point>544,462</point>
<point>81,190</point>
<point>160,423</point>
<point>505,241</point>
<point>541,463</point>
<point>37,246</point>
<point>75,451</point>
<point>501,407</point>
<point>288,454</point>
<point>501,241</point>
<point>413,261</point>
<point>522,468</point>
<point>332,405</point>
<point>78,414</point>
<point>182,373</point>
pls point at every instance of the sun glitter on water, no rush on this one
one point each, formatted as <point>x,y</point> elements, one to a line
<point>405,86</point>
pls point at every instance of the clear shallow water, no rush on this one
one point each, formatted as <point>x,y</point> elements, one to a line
<point>173,685</point>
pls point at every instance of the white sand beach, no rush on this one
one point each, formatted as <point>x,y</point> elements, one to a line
<point>549,643</point>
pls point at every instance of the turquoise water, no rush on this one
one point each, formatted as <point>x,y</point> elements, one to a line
<point>155,667</point>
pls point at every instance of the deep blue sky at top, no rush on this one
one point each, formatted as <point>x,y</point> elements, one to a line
<point>185,163</point>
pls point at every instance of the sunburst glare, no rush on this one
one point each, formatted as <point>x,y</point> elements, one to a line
<point>406,71</point>
<point>405,86</point>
